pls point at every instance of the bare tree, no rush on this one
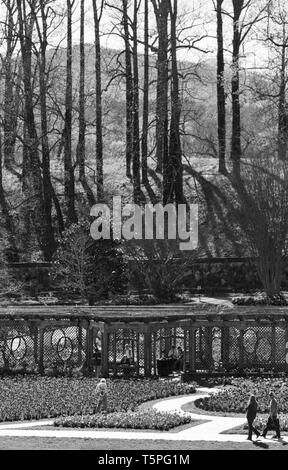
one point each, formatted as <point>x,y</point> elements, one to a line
<point>145,119</point>
<point>33,176</point>
<point>7,217</point>
<point>98,12</point>
<point>221,95</point>
<point>241,28</point>
<point>129,90</point>
<point>80,152</point>
<point>173,181</point>
<point>262,211</point>
<point>69,181</point>
<point>161,9</point>
<point>135,113</point>
<point>277,37</point>
<point>11,98</point>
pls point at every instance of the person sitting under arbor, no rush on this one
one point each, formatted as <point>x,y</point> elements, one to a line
<point>97,360</point>
<point>179,359</point>
<point>128,356</point>
<point>172,355</point>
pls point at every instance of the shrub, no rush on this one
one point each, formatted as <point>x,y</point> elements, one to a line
<point>87,267</point>
<point>158,267</point>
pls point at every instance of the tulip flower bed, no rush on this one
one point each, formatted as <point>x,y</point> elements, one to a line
<point>259,424</point>
<point>35,397</point>
<point>148,419</point>
<point>234,399</point>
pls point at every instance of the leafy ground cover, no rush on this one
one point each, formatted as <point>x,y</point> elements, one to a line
<point>35,397</point>
<point>234,398</point>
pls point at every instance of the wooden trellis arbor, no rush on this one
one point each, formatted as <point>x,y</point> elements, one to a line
<point>211,337</point>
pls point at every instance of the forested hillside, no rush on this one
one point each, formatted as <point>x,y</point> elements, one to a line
<point>81,123</point>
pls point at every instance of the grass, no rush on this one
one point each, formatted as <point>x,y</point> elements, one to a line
<point>55,443</point>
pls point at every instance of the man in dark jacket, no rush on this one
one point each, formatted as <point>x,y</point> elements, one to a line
<point>273,421</point>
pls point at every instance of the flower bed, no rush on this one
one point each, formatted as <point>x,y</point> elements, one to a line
<point>234,399</point>
<point>30,397</point>
<point>260,423</point>
<point>148,419</point>
<point>261,299</point>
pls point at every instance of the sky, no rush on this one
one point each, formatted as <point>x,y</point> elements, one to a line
<point>197,16</point>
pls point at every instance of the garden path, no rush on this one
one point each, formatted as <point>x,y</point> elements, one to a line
<point>208,431</point>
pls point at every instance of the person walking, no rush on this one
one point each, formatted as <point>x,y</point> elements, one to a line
<point>101,391</point>
<point>251,415</point>
<point>273,420</point>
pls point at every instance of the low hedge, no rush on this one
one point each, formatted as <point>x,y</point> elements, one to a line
<point>148,419</point>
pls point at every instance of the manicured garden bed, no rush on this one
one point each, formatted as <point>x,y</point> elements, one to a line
<point>146,419</point>
<point>36,397</point>
<point>234,398</point>
<point>259,424</point>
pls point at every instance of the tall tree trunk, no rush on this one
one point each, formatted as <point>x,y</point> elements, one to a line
<point>161,12</point>
<point>282,107</point>
<point>80,152</point>
<point>236,116</point>
<point>173,171</point>
<point>129,90</point>
<point>221,101</point>
<point>136,136</point>
<point>7,218</point>
<point>69,182</point>
<point>98,70</point>
<point>47,185</point>
<point>33,177</point>
<point>145,118</point>
<point>11,100</point>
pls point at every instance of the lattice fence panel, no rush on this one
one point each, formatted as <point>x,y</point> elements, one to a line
<point>18,346</point>
<point>257,347</point>
<point>64,347</point>
<point>118,341</point>
<point>141,353</point>
<point>280,356</point>
<point>111,348</point>
<point>203,348</point>
<point>216,347</point>
<point>234,347</point>
<point>261,347</point>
